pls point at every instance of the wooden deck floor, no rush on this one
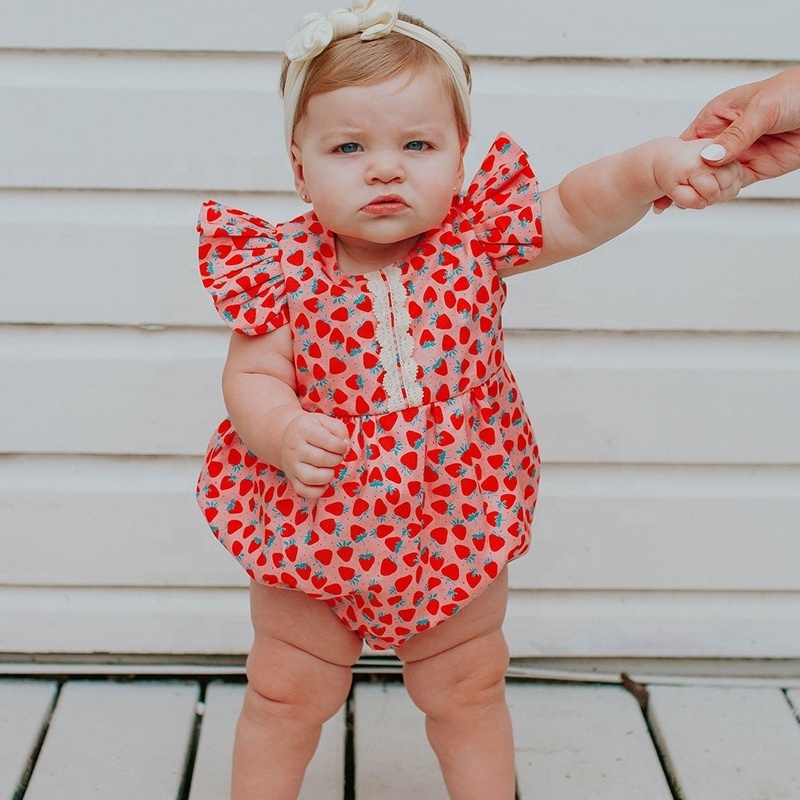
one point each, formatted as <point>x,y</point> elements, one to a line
<point>170,739</point>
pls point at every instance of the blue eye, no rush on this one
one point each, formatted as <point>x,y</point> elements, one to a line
<point>416,145</point>
<point>350,147</point>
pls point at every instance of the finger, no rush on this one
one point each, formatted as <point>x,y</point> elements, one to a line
<point>692,133</point>
<point>707,186</point>
<point>317,457</point>
<point>710,122</point>
<point>320,440</point>
<point>684,196</point>
<point>313,475</point>
<point>661,205</point>
<point>730,176</point>
<point>337,430</point>
<point>309,492</point>
<point>736,138</point>
<point>731,188</point>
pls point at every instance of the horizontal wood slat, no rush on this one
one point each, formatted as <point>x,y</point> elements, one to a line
<point>92,521</point>
<point>621,28</point>
<point>212,123</point>
<point>130,259</point>
<point>677,398</point>
<point>661,624</point>
<point>564,624</point>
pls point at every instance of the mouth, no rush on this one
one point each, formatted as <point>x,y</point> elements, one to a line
<point>385,204</point>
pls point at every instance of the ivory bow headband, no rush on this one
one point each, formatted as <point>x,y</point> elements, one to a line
<point>373,19</point>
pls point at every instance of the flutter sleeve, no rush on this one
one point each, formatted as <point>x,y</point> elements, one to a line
<point>240,266</point>
<point>502,206</point>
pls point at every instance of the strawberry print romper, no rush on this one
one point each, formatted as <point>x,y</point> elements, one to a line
<point>437,491</point>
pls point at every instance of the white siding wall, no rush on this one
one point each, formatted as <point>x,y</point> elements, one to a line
<point>662,372</point>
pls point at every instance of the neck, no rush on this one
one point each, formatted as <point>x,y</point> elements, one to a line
<point>359,257</point>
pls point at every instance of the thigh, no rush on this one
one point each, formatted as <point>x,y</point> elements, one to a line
<point>301,622</point>
<point>480,618</point>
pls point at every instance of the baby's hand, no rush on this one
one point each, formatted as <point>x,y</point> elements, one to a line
<point>313,446</point>
<point>688,181</point>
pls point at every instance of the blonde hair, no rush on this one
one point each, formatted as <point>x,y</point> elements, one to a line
<point>353,62</point>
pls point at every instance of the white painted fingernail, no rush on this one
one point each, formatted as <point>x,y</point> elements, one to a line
<point>714,152</point>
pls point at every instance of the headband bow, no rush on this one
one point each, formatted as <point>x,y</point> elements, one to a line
<point>373,18</point>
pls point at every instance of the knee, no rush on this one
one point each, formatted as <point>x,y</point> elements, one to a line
<point>468,677</point>
<point>286,682</point>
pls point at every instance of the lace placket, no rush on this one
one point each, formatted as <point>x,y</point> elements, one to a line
<point>396,344</point>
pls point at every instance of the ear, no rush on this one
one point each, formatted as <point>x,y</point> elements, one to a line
<point>459,182</point>
<point>297,170</point>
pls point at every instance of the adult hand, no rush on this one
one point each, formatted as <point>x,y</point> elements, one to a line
<point>757,124</point>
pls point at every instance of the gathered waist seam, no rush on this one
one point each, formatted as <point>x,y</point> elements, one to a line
<point>466,391</point>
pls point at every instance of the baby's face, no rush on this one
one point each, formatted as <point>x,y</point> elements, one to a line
<point>380,163</point>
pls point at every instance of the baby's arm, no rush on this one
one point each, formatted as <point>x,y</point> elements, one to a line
<point>260,394</point>
<point>601,200</point>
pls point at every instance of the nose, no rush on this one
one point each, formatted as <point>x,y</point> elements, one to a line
<point>385,167</point>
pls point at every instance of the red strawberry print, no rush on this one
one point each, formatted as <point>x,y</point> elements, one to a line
<point>437,491</point>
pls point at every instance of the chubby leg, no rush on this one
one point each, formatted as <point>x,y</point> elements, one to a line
<point>455,673</point>
<point>298,674</point>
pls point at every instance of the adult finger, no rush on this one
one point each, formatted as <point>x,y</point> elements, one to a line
<point>736,138</point>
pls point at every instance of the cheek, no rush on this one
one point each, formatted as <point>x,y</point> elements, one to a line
<point>328,179</point>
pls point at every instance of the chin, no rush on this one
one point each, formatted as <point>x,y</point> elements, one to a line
<point>390,234</point>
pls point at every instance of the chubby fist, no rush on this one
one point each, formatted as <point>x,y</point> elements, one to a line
<point>688,181</point>
<point>313,446</point>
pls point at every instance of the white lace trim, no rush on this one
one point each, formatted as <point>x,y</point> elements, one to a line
<point>405,341</point>
<point>396,344</point>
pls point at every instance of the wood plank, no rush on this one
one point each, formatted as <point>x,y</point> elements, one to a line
<point>211,778</point>
<point>596,526</point>
<point>116,740</point>
<point>653,624</point>
<point>100,387</point>
<point>122,620</point>
<point>698,276</point>
<point>96,105</point>
<point>733,743</point>
<point>393,758</point>
<point>660,399</point>
<point>583,741</point>
<point>794,699</point>
<point>539,623</point>
<point>649,398</point>
<point>24,711</point>
<point>141,510</point>
<point>212,773</point>
<point>606,526</point>
<point>674,272</point>
<point>621,29</point>
<point>90,233</point>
